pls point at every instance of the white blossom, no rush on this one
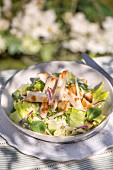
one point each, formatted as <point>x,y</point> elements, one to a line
<point>101,42</point>
<point>30,46</point>
<point>3,44</point>
<point>96,47</point>
<point>93,28</point>
<point>4,24</point>
<point>35,22</point>
<point>7,5</point>
<point>85,35</point>
<point>75,45</point>
<point>108,24</point>
<point>67,16</point>
<point>79,24</point>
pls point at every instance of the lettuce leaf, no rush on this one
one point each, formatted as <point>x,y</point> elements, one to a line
<point>75,118</point>
<point>83,85</point>
<point>16,95</point>
<point>102,96</point>
<point>24,107</point>
<point>23,88</point>
<point>92,113</point>
<point>15,117</point>
<point>99,119</point>
<point>38,126</point>
<point>97,92</point>
<point>38,85</point>
<point>70,79</point>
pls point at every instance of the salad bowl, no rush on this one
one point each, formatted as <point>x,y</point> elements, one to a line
<point>82,71</point>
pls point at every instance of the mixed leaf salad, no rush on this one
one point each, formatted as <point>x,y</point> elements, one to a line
<point>58,104</point>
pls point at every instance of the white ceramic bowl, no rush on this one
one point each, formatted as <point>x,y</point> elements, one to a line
<point>80,70</point>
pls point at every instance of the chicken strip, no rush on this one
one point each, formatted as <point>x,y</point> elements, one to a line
<point>44,109</point>
<point>49,86</point>
<point>74,100</point>
<point>36,96</point>
<point>43,76</point>
<point>59,90</point>
<point>50,83</point>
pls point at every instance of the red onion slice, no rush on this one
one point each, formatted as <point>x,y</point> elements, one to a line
<point>49,94</point>
<point>98,102</point>
<point>81,127</point>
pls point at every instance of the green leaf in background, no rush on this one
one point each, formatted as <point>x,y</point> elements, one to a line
<point>47,51</point>
<point>14,45</point>
<point>96,10</point>
<point>92,113</point>
<point>38,126</point>
<point>1,2</point>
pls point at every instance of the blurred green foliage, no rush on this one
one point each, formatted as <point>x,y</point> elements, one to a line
<point>95,11</point>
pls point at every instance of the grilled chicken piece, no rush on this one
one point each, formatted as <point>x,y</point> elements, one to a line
<point>72,89</point>
<point>43,76</point>
<point>44,109</point>
<point>50,83</point>
<point>86,104</point>
<point>73,99</point>
<point>88,96</point>
<point>64,105</point>
<point>36,96</point>
<point>89,124</point>
<point>59,90</point>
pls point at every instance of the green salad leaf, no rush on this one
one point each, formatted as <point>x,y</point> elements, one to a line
<point>102,96</point>
<point>99,119</point>
<point>24,107</point>
<point>97,92</point>
<point>38,85</point>
<point>75,118</point>
<point>71,79</point>
<point>38,126</point>
<point>16,95</point>
<point>23,88</point>
<point>92,113</point>
<point>15,117</point>
<point>83,85</point>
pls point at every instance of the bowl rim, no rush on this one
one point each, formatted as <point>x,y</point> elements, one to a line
<point>57,139</point>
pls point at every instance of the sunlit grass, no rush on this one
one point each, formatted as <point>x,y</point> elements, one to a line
<point>10,63</point>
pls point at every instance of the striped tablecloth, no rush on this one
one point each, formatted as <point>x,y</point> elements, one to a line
<point>12,159</point>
